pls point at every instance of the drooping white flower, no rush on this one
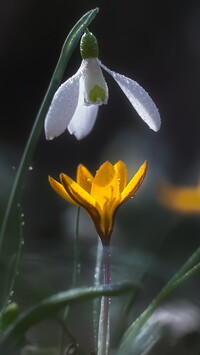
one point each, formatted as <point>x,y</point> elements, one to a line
<point>76,102</point>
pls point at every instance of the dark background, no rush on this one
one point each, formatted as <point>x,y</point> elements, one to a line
<point>154,42</point>
<point>157,43</point>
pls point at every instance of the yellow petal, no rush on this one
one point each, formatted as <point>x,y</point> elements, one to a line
<point>77,193</point>
<point>84,178</point>
<point>104,174</point>
<point>185,199</point>
<point>82,198</point>
<point>105,186</point>
<point>60,190</point>
<point>134,184</point>
<point>120,169</point>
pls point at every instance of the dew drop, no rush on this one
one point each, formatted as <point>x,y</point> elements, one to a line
<point>22,214</point>
<point>30,168</point>
<point>78,268</point>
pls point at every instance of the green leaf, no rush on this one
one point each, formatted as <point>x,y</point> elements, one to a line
<point>52,304</point>
<point>178,279</point>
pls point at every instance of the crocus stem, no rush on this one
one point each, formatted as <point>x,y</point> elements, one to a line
<point>97,301</point>
<point>104,319</point>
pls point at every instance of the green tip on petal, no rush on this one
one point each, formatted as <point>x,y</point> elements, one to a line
<point>89,46</point>
<point>97,94</point>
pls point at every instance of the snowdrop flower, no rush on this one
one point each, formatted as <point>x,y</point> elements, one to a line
<point>75,104</point>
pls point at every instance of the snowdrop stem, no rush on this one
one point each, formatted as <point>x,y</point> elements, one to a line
<point>104,319</point>
<point>69,45</point>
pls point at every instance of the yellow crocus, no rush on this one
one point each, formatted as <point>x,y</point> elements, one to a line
<point>100,195</point>
<point>181,199</point>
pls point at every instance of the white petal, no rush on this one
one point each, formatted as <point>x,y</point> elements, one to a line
<point>62,106</point>
<point>95,87</point>
<point>83,122</point>
<point>139,99</point>
<point>84,117</point>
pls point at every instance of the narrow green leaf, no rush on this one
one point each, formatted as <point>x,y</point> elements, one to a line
<point>135,327</point>
<point>52,304</point>
<point>17,260</point>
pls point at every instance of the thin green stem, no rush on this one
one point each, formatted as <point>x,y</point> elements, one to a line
<point>76,269</point>
<point>104,319</point>
<point>66,52</point>
<point>74,281</point>
<point>97,301</point>
<point>171,286</point>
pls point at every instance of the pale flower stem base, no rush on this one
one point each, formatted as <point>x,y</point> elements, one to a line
<point>104,319</point>
<point>97,301</point>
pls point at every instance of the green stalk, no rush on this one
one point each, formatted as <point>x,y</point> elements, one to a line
<point>104,318</point>
<point>16,268</point>
<point>74,282</point>
<point>69,45</point>
<point>76,268</point>
<point>97,301</point>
